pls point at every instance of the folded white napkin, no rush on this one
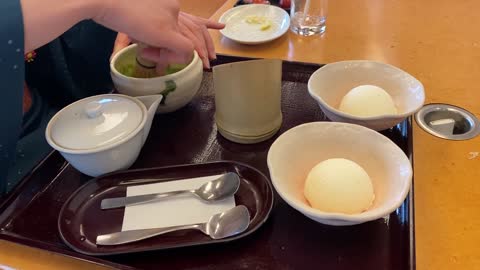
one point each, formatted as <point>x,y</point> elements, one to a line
<point>172,211</point>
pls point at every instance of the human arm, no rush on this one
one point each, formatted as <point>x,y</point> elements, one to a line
<point>154,22</point>
<point>48,19</point>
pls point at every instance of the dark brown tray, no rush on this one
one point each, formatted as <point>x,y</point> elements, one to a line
<point>288,240</point>
<point>81,218</point>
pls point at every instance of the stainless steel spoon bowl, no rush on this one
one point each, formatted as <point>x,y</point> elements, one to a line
<point>215,190</point>
<point>222,225</point>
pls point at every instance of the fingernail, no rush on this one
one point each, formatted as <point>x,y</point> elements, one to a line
<point>206,61</point>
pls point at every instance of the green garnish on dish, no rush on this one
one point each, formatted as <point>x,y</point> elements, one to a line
<point>170,86</point>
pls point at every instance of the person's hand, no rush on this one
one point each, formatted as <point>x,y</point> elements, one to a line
<point>153,22</point>
<point>192,27</point>
<point>162,57</point>
<point>121,42</point>
<point>196,29</point>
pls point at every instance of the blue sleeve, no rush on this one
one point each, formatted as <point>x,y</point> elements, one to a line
<point>11,77</point>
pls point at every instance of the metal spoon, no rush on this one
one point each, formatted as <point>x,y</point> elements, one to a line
<point>222,225</point>
<point>218,189</point>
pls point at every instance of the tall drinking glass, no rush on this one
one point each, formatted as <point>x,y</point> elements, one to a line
<point>308,17</point>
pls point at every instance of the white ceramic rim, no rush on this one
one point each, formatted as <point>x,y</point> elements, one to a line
<point>357,218</point>
<point>226,13</point>
<point>108,146</point>
<point>172,76</point>
<point>320,100</point>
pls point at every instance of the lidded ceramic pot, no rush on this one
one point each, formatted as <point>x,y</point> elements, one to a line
<point>104,133</point>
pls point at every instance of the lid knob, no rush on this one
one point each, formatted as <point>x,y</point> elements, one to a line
<point>93,109</point>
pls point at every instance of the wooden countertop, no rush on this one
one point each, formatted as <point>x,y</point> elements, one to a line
<point>436,41</point>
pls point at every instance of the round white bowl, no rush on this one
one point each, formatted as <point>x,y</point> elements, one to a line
<point>329,84</point>
<point>298,150</point>
<point>187,81</point>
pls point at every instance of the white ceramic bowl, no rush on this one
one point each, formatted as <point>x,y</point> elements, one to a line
<point>329,84</point>
<point>187,81</point>
<point>298,150</point>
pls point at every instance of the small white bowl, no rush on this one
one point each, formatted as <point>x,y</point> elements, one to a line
<point>298,150</point>
<point>187,81</point>
<point>329,84</point>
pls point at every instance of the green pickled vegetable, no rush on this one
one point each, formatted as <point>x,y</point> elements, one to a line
<point>129,69</point>
<point>172,68</point>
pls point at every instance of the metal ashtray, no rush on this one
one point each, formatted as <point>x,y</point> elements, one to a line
<point>448,122</point>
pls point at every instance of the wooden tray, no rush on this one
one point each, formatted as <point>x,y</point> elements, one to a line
<point>288,240</point>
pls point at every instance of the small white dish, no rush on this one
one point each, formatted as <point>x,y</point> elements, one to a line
<point>239,30</point>
<point>329,84</point>
<point>297,151</point>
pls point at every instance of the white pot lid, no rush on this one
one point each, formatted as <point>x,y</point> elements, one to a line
<point>95,122</point>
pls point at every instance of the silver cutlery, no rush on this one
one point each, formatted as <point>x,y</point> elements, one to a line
<point>221,225</point>
<point>215,190</point>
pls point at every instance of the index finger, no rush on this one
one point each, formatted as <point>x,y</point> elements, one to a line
<point>121,42</point>
<point>208,23</point>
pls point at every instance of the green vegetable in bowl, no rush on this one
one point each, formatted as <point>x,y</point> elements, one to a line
<point>172,68</point>
<point>129,69</point>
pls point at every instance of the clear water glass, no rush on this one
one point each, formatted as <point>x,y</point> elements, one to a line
<point>308,17</point>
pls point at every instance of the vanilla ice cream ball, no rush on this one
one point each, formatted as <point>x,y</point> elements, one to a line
<point>367,100</point>
<point>339,185</point>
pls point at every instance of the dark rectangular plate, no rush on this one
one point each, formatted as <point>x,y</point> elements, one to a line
<point>81,219</point>
<point>288,240</point>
